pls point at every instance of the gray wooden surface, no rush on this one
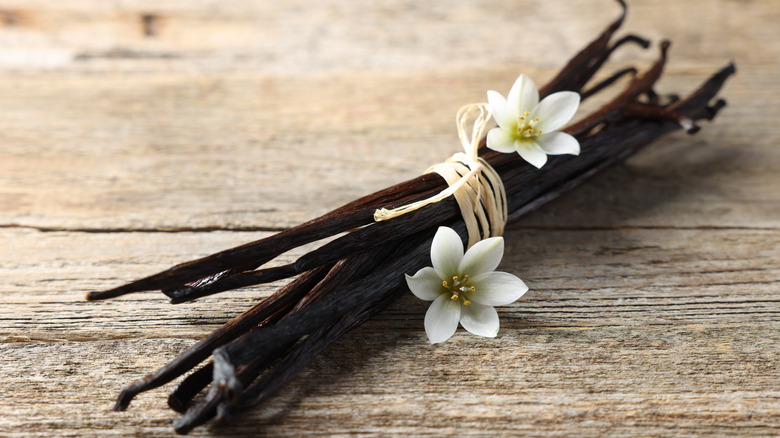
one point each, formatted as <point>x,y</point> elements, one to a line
<point>137,135</point>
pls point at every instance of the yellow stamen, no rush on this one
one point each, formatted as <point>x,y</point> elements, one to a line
<point>473,288</point>
<point>454,297</point>
<point>466,302</point>
<point>444,283</point>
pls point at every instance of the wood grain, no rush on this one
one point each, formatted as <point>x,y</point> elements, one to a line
<point>619,381</point>
<point>137,135</point>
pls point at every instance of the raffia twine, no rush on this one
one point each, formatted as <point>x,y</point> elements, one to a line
<point>476,186</point>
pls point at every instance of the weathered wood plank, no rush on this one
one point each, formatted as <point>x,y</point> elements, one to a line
<point>578,278</point>
<point>171,151</point>
<point>190,149</point>
<point>295,36</point>
<point>620,382</point>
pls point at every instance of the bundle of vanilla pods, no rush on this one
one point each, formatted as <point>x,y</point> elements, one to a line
<point>344,282</point>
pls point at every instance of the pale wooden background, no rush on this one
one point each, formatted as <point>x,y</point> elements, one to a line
<point>130,144</point>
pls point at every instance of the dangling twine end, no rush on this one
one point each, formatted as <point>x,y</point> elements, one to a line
<point>382,214</point>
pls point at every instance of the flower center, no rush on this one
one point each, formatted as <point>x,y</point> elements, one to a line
<point>459,289</point>
<point>526,126</point>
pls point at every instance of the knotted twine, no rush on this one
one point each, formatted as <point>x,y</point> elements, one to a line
<point>477,187</point>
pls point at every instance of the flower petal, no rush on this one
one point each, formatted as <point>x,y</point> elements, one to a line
<point>501,112</point>
<point>480,320</point>
<point>531,152</point>
<point>497,288</point>
<point>425,284</point>
<point>523,96</point>
<point>483,256</point>
<point>556,110</point>
<point>501,140</point>
<point>446,252</point>
<point>557,143</point>
<point>441,319</point>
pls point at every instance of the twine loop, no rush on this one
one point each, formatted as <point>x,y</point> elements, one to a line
<point>477,187</point>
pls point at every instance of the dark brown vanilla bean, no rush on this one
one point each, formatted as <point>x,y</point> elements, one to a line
<point>577,71</point>
<point>268,310</point>
<point>352,243</point>
<point>352,215</point>
<point>607,82</point>
<point>316,319</point>
<point>181,397</point>
<point>356,275</point>
<point>353,268</point>
<point>286,370</point>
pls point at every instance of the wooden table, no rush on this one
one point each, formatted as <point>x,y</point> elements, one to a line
<point>137,135</point>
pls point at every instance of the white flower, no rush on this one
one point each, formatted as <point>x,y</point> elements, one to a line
<point>530,127</point>
<point>464,288</point>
